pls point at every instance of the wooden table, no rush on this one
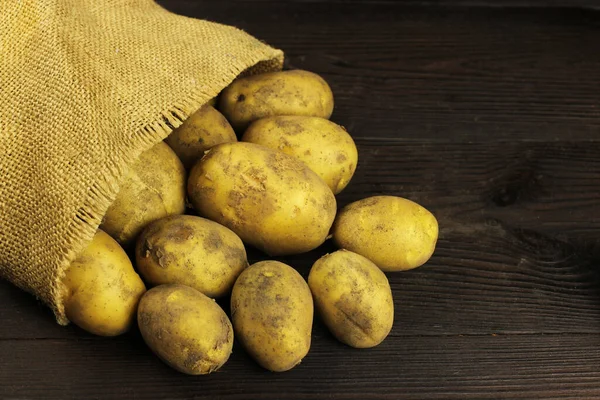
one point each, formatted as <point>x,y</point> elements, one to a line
<point>490,118</point>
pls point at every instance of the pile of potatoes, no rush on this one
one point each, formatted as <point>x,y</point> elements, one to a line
<point>273,190</point>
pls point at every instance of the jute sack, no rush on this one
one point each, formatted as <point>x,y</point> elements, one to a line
<point>85,87</point>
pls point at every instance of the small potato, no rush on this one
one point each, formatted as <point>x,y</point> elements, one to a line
<point>353,297</point>
<point>185,329</point>
<point>192,251</point>
<point>153,189</point>
<point>294,92</point>
<point>202,130</point>
<point>272,313</point>
<point>324,146</point>
<point>102,289</point>
<point>270,199</point>
<point>395,233</point>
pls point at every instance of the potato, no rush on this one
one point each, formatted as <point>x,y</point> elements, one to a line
<point>294,92</point>
<point>202,130</point>
<point>185,329</point>
<point>272,313</point>
<point>395,233</point>
<point>101,288</point>
<point>353,297</point>
<point>153,189</point>
<point>192,251</point>
<point>270,199</point>
<point>324,146</point>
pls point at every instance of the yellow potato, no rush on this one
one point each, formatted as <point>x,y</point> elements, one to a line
<point>270,199</point>
<point>101,288</point>
<point>324,146</point>
<point>294,92</point>
<point>353,297</point>
<point>202,130</point>
<point>272,313</point>
<point>185,329</point>
<point>153,189</point>
<point>192,251</point>
<point>395,233</point>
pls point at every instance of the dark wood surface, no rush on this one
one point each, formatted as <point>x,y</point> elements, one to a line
<point>490,118</point>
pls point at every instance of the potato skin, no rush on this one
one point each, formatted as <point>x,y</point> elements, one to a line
<point>294,92</point>
<point>192,251</point>
<point>395,233</point>
<point>324,146</point>
<point>153,189</point>
<point>202,130</point>
<point>185,329</point>
<point>353,297</point>
<point>102,290</point>
<point>272,313</point>
<point>270,199</point>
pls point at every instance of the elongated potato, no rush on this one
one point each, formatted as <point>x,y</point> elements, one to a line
<point>102,290</point>
<point>154,188</point>
<point>270,199</point>
<point>294,92</point>
<point>353,297</point>
<point>185,329</point>
<point>272,313</point>
<point>202,130</point>
<point>192,251</point>
<point>324,146</point>
<point>395,233</point>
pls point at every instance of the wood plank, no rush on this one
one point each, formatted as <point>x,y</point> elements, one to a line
<point>436,73</point>
<point>593,4</point>
<point>552,188</point>
<point>446,367</point>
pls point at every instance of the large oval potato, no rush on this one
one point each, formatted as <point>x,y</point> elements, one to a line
<point>324,146</point>
<point>153,189</point>
<point>185,329</point>
<point>192,251</point>
<point>102,289</point>
<point>353,297</point>
<point>272,313</point>
<point>270,199</point>
<point>294,92</point>
<point>202,130</point>
<point>395,233</point>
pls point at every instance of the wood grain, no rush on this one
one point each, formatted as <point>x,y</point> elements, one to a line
<point>448,367</point>
<point>489,117</point>
<point>416,73</point>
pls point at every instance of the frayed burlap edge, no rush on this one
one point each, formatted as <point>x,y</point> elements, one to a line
<point>104,191</point>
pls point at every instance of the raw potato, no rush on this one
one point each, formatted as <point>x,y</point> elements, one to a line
<point>102,289</point>
<point>202,130</point>
<point>272,313</point>
<point>294,92</point>
<point>153,189</point>
<point>185,329</point>
<point>395,233</point>
<point>270,199</point>
<point>353,297</point>
<point>324,146</point>
<point>192,251</point>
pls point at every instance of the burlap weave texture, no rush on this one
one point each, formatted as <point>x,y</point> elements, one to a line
<point>85,87</point>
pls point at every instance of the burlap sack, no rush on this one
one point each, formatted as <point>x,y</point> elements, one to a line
<point>85,87</point>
